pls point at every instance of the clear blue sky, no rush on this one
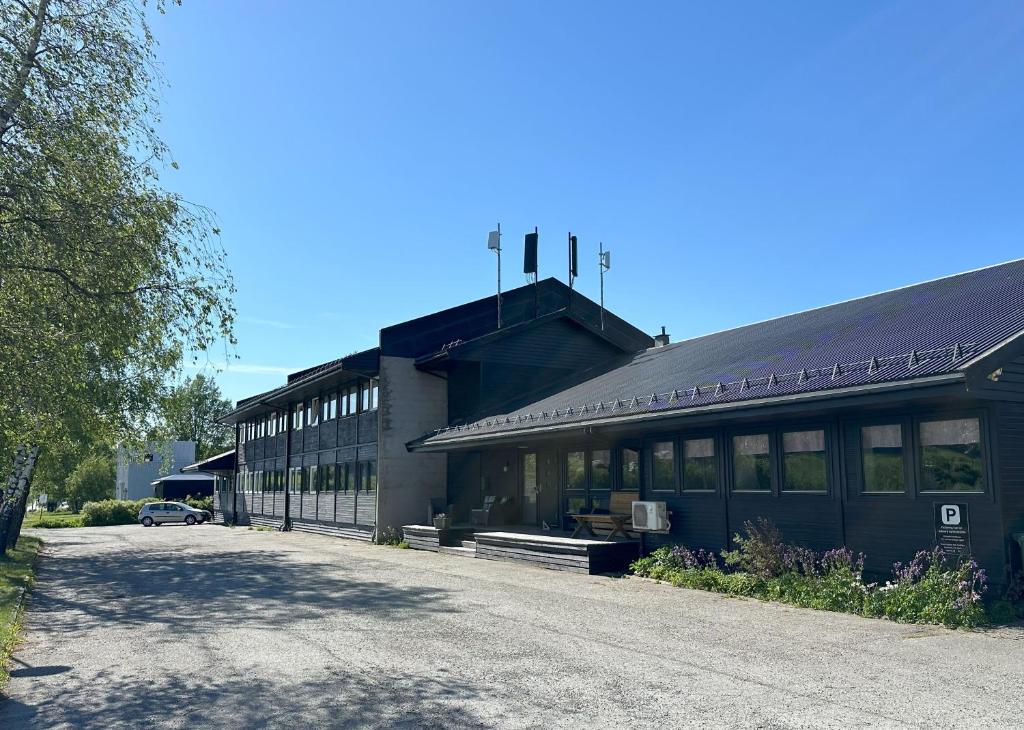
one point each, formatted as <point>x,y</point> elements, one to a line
<point>741,160</point>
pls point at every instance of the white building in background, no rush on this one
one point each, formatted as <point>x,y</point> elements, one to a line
<point>136,471</point>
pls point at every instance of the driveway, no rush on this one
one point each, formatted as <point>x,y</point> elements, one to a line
<point>216,627</point>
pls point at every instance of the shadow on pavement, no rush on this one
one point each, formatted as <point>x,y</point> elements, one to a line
<point>185,591</point>
<point>348,700</point>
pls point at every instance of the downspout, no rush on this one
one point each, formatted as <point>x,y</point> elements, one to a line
<point>234,481</point>
<point>287,524</point>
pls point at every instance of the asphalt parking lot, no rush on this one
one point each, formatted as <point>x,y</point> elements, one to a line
<point>216,627</point>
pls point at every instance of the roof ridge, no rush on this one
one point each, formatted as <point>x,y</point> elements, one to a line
<point>836,304</point>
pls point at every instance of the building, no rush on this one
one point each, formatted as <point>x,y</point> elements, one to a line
<point>179,486</point>
<point>136,471</point>
<point>328,450</point>
<point>887,423</point>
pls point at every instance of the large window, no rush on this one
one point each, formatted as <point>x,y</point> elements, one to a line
<point>804,462</point>
<point>663,457</point>
<point>313,412</point>
<point>368,476</point>
<point>951,456</point>
<point>630,470</point>
<point>751,463</point>
<point>348,400</point>
<point>601,469</point>
<point>364,400</point>
<point>881,455</point>
<point>700,473</point>
<point>328,480</point>
<point>575,470</point>
<point>297,417</point>
<point>374,393</point>
<point>295,479</point>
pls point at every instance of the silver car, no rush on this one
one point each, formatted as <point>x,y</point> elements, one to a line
<point>156,513</point>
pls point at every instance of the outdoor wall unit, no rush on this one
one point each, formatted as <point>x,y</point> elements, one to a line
<point>651,517</point>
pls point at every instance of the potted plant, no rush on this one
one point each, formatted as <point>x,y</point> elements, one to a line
<point>442,521</point>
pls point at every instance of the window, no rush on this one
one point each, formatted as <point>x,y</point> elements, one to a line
<point>328,480</point>
<point>313,412</point>
<point>309,484</point>
<point>804,463</point>
<point>630,470</point>
<point>364,401</point>
<point>368,475</point>
<point>881,457</point>
<point>663,458</point>
<point>349,404</point>
<point>575,470</point>
<point>601,469</point>
<point>348,476</point>
<point>951,456</point>
<point>241,433</point>
<point>297,417</point>
<point>751,463</point>
<point>699,469</point>
<point>282,422</point>
<point>374,392</point>
<point>272,426</point>
<point>332,406</point>
<point>295,479</point>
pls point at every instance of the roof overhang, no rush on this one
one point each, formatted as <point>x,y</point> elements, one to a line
<point>282,397</point>
<point>817,398</point>
<point>224,462</point>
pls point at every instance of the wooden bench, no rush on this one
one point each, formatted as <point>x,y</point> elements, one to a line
<point>619,517</point>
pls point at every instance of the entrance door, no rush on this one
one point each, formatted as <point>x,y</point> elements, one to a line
<point>529,487</point>
<point>548,499</point>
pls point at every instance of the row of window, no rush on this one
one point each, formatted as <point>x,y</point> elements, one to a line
<point>347,402</point>
<point>946,454</point>
<point>352,476</point>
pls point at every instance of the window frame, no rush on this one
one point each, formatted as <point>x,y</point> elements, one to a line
<point>983,439</point>
<point>909,457</point>
<point>716,442</point>
<point>650,444</point>
<point>773,462</point>
<point>827,450</point>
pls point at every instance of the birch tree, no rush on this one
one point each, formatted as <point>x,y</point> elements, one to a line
<point>106,277</point>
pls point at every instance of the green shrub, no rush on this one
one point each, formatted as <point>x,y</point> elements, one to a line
<point>113,512</point>
<point>932,588</point>
<point>205,503</point>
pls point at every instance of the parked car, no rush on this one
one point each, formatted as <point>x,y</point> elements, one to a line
<point>156,513</point>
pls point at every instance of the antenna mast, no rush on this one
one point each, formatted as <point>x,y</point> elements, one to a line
<point>604,262</point>
<point>494,243</point>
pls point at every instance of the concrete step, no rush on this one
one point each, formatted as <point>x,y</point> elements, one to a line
<point>471,544</point>
<point>462,551</point>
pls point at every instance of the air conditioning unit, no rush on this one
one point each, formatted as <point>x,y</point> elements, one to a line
<point>651,517</point>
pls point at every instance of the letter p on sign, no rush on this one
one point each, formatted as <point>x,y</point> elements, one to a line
<point>950,514</point>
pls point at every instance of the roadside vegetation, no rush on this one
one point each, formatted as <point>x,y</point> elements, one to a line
<point>52,520</point>
<point>933,588</point>
<point>17,572</point>
<point>113,284</point>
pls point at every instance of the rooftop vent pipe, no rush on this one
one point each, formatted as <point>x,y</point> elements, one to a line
<point>662,339</point>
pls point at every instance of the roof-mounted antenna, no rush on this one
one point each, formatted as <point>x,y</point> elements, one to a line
<point>604,262</point>
<point>494,244</point>
<point>530,241</point>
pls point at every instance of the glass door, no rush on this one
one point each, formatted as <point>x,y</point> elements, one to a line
<point>528,470</point>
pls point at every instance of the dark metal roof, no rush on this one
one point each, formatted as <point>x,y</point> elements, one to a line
<point>221,462</point>
<point>915,333</point>
<point>365,363</point>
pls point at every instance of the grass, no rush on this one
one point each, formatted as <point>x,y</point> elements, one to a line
<point>17,572</point>
<point>42,518</point>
